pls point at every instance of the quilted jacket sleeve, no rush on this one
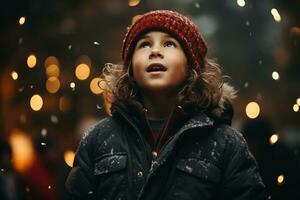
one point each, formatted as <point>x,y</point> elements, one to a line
<point>80,182</point>
<point>242,180</point>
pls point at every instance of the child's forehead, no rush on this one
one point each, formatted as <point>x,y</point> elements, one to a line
<point>155,33</point>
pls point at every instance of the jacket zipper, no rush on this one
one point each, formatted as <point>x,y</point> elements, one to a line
<point>151,172</point>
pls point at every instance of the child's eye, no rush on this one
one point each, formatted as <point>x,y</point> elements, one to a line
<point>144,45</point>
<point>170,44</point>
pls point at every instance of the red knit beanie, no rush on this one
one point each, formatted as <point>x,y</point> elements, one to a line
<point>177,25</point>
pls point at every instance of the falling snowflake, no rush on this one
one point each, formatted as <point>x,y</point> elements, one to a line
<point>96,43</point>
<point>69,46</point>
<point>44,132</point>
<point>54,119</point>
<point>21,89</point>
<point>247,23</point>
<point>197,5</point>
<point>43,144</point>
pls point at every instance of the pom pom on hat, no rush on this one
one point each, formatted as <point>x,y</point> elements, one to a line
<point>174,23</point>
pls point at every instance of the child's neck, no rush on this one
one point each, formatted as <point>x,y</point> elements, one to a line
<point>159,106</point>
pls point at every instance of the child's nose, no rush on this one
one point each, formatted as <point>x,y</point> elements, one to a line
<point>156,51</point>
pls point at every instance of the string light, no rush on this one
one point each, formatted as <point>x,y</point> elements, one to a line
<point>14,75</point>
<point>252,110</point>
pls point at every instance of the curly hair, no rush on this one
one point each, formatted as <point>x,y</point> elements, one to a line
<point>207,90</point>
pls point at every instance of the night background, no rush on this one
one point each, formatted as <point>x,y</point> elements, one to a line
<point>51,57</point>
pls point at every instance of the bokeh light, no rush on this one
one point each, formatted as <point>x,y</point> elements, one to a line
<point>273,139</point>
<point>252,110</point>
<point>296,108</point>
<point>280,179</point>
<point>52,84</point>
<point>275,75</point>
<point>31,61</point>
<point>22,20</point>
<point>51,60</point>
<point>36,102</point>
<point>298,101</point>
<point>241,3</point>
<point>82,71</point>
<point>64,104</point>
<point>276,15</point>
<point>14,75</point>
<point>72,85</point>
<point>22,150</point>
<point>52,70</point>
<point>135,18</point>
<point>97,85</point>
<point>69,156</point>
<point>133,2</point>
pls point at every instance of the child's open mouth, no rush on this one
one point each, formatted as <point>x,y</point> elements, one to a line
<point>156,67</point>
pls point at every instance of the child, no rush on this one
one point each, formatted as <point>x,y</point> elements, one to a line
<point>169,135</point>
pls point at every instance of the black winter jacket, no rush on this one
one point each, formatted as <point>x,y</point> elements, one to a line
<point>205,159</point>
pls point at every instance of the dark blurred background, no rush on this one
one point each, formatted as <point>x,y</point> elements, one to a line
<point>52,54</point>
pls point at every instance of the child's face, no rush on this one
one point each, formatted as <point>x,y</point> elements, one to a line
<point>159,63</point>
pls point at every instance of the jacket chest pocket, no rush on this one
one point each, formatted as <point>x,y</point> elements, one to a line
<point>111,176</point>
<point>194,179</point>
<point>198,168</point>
<point>110,163</point>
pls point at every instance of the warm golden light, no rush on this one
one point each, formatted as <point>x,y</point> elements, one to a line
<point>52,70</point>
<point>241,3</point>
<point>97,85</point>
<point>133,2</point>
<point>82,71</point>
<point>252,110</point>
<point>64,104</point>
<point>276,15</point>
<point>36,102</point>
<point>275,75</point>
<point>22,150</point>
<point>14,75</point>
<point>51,60</point>
<point>135,18</point>
<point>52,84</point>
<point>22,20</point>
<point>298,101</point>
<point>296,108</point>
<point>280,179</point>
<point>295,31</point>
<point>273,139</point>
<point>72,85</point>
<point>31,61</point>
<point>69,157</point>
